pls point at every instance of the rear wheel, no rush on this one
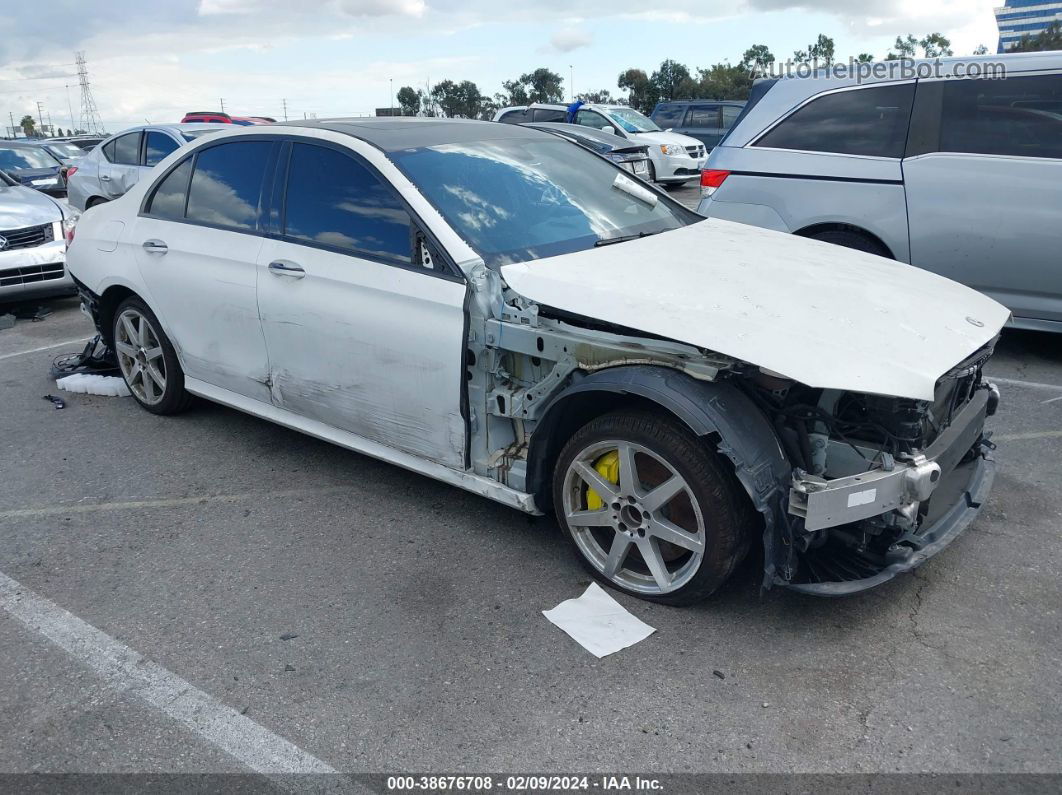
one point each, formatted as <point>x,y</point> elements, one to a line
<point>649,508</point>
<point>851,239</point>
<point>147,359</point>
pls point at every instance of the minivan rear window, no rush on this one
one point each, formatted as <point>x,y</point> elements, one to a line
<point>870,121</point>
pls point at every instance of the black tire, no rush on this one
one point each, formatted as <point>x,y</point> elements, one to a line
<point>854,240</point>
<point>95,201</point>
<point>175,398</point>
<point>728,517</point>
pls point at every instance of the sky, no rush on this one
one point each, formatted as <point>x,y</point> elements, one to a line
<point>152,61</point>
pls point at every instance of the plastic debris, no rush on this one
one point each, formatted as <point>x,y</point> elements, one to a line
<point>95,358</point>
<point>82,383</point>
<point>598,622</point>
<point>58,402</point>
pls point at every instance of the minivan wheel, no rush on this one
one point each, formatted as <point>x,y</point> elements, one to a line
<point>147,360</point>
<point>650,509</point>
<point>854,240</point>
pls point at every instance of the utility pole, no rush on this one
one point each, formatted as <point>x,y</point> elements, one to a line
<point>70,106</point>
<point>90,115</point>
<point>391,100</point>
<point>11,116</point>
<point>40,117</point>
<point>222,104</point>
<point>285,103</point>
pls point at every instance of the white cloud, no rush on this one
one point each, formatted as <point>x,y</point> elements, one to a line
<point>568,39</point>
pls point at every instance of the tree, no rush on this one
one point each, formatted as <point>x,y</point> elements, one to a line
<point>672,81</point>
<point>936,45</point>
<point>981,50</point>
<point>544,85</point>
<point>28,124</point>
<point>757,58</point>
<point>408,100</point>
<point>723,81</point>
<point>821,51</point>
<point>602,96</point>
<point>1049,39</point>
<point>865,57</point>
<point>515,93</point>
<point>641,93</point>
<point>904,48</point>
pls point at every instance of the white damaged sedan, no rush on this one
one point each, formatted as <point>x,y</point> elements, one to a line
<point>491,306</point>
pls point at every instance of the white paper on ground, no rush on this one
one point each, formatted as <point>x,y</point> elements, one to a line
<point>598,622</point>
<point>91,384</point>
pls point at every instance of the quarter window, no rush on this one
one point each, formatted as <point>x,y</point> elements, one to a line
<point>227,184</point>
<point>168,199</point>
<point>669,115</point>
<point>335,201</point>
<point>1018,116</point>
<point>158,146</point>
<point>866,121</point>
<point>514,117</point>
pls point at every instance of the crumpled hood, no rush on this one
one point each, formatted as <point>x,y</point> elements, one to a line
<point>664,138</point>
<point>823,315</point>
<point>21,207</point>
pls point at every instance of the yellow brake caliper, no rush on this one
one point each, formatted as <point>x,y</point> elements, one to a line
<point>608,467</point>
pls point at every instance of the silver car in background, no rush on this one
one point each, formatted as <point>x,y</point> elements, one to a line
<point>959,175</point>
<point>113,167</point>
<point>33,229</point>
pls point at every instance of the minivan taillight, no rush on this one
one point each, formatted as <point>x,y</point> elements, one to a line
<point>711,180</point>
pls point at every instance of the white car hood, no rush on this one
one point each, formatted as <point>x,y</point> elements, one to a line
<point>664,138</point>
<point>823,315</point>
<point>21,207</point>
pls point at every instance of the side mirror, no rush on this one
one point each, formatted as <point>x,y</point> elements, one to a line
<point>608,128</point>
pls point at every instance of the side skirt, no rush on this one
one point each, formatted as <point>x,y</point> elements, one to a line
<point>468,481</point>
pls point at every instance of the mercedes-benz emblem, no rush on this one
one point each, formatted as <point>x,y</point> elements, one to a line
<point>3,242</point>
<point>975,322</point>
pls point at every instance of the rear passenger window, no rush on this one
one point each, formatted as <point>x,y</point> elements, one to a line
<point>865,121</point>
<point>125,150</point>
<point>703,116</point>
<point>168,199</point>
<point>669,115</point>
<point>1018,116</point>
<point>227,184</point>
<point>549,114</point>
<point>335,201</point>
<point>514,117</point>
<point>158,146</point>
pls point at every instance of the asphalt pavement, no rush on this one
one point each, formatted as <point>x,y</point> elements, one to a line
<point>183,594</point>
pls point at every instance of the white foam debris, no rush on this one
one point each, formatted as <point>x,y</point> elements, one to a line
<point>86,384</point>
<point>598,622</point>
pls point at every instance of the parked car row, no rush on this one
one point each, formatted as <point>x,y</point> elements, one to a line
<point>511,313</point>
<point>962,177</point>
<point>33,230</point>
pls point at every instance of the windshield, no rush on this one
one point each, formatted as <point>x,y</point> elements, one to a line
<point>191,135</point>
<point>631,120</point>
<point>65,151</point>
<point>515,200</point>
<point>17,159</point>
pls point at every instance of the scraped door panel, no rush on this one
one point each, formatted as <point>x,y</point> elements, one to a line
<point>366,347</point>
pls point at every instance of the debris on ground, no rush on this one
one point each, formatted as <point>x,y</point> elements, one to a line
<point>598,622</point>
<point>96,358</point>
<point>288,636</point>
<point>105,385</point>
<point>58,402</point>
<point>34,313</point>
<point>718,674</point>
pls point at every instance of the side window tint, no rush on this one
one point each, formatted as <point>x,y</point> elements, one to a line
<point>108,151</point>
<point>514,117</point>
<point>549,114</point>
<point>334,200</point>
<point>127,149</point>
<point>704,116</point>
<point>168,199</point>
<point>1018,116</point>
<point>590,118</point>
<point>227,184</point>
<point>865,121</point>
<point>669,115</point>
<point>158,146</point>
<point>730,114</point>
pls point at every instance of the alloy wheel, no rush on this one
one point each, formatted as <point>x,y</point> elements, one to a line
<point>140,356</point>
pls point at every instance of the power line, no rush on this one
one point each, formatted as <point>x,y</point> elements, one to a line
<point>90,115</point>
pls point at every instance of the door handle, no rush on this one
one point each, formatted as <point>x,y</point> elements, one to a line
<point>104,178</point>
<point>283,268</point>
<point>155,247</point>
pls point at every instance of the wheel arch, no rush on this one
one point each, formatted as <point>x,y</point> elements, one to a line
<point>718,412</point>
<point>833,226</point>
<point>109,302</point>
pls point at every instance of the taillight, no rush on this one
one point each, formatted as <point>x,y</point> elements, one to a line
<point>712,179</point>
<point>70,171</point>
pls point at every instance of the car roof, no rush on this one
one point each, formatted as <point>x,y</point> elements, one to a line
<point>581,131</point>
<point>390,133</point>
<point>21,144</point>
<point>702,102</point>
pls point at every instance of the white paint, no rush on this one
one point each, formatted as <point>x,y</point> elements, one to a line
<point>599,623</point>
<point>823,315</point>
<point>857,498</point>
<point>1052,400</point>
<point>81,341</point>
<point>1022,437</point>
<point>127,671</point>
<point>1016,382</point>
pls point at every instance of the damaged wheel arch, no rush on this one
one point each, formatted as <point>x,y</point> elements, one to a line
<point>715,411</point>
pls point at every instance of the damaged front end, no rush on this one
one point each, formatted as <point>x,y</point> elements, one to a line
<point>879,484</point>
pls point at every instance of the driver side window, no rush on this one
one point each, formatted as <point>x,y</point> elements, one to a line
<point>591,118</point>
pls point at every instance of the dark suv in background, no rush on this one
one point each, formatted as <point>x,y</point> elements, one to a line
<point>705,120</point>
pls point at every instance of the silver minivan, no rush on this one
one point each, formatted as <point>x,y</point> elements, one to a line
<point>958,171</point>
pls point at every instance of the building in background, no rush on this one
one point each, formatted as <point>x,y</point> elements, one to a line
<point>1020,17</point>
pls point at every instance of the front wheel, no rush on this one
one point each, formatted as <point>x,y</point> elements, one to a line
<point>650,509</point>
<point>147,359</point>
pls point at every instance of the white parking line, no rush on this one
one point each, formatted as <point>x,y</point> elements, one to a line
<point>1016,382</point>
<point>130,672</point>
<point>1020,437</point>
<point>81,341</point>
